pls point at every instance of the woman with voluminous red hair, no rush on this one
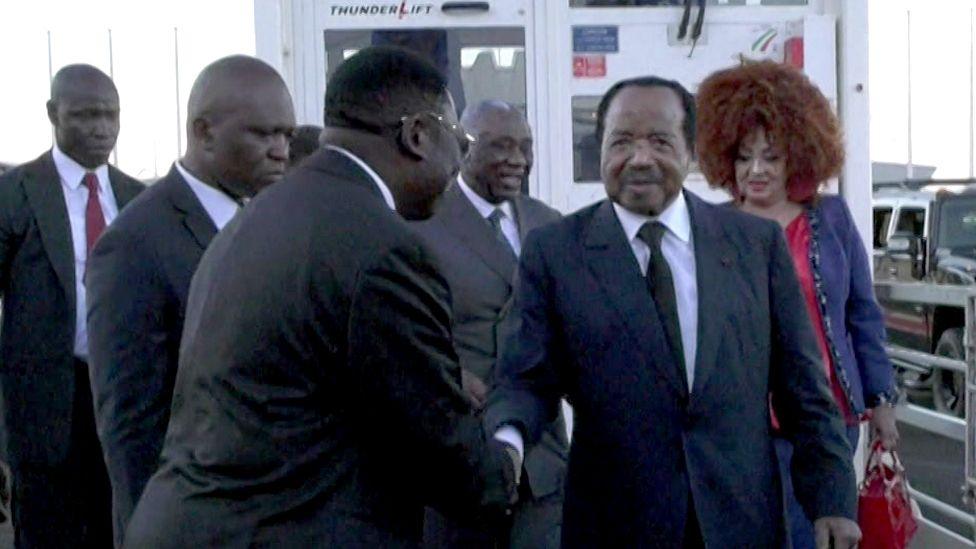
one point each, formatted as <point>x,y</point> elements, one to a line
<point>768,136</point>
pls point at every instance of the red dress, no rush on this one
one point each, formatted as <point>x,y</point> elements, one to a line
<point>798,236</point>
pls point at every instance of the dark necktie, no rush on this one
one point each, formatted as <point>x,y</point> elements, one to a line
<point>94,218</point>
<point>661,287</point>
<point>495,219</point>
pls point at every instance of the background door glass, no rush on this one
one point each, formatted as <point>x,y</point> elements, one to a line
<point>480,63</point>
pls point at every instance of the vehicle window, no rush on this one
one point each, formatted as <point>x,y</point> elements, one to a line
<point>644,3</point>
<point>911,220</point>
<point>882,219</point>
<point>957,224</point>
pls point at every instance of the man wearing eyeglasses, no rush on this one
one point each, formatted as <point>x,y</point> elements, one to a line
<point>477,234</point>
<point>318,401</point>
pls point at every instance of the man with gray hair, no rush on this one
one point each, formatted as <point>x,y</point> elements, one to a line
<point>240,118</point>
<point>477,234</point>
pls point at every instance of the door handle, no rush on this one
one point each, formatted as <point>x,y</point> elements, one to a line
<point>893,271</point>
<point>452,7</point>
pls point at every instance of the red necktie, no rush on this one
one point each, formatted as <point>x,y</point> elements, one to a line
<point>94,218</point>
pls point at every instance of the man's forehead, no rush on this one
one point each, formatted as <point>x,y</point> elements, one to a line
<point>89,100</point>
<point>637,103</point>
<point>505,125</point>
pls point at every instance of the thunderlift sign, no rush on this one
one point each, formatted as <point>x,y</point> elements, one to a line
<point>398,10</point>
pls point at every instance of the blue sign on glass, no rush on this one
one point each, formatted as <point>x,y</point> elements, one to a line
<point>594,39</point>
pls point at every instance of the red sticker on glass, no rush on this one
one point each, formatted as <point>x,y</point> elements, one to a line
<point>589,66</point>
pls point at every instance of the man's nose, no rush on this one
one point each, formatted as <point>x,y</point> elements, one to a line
<point>642,154</point>
<point>518,158</point>
<point>279,148</point>
<point>104,127</point>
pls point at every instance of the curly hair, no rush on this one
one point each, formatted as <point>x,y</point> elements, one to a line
<point>787,105</point>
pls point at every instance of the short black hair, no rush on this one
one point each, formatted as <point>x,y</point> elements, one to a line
<point>687,102</point>
<point>379,85</point>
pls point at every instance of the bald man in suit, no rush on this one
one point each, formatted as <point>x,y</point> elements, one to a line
<point>240,117</point>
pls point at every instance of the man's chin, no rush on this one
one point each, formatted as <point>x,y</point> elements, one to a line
<point>650,203</point>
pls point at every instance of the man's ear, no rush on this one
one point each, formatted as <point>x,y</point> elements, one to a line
<point>52,112</point>
<point>413,139</point>
<point>203,133</point>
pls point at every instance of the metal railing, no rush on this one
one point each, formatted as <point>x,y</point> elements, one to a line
<point>962,430</point>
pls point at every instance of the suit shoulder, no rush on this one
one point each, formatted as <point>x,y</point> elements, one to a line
<point>540,209</point>
<point>731,217</point>
<point>126,179</point>
<point>148,214</point>
<point>17,173</point>
<point>565,229</point>
<point>834,207</point>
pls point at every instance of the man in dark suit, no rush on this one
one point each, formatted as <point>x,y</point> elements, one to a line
<point>666,322</point>
<point>318,399</point>
<point>51,212</point>
<point>477,234</point>
<point>240,117</point>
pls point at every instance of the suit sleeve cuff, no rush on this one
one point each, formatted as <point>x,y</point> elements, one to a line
<point>508,434</point>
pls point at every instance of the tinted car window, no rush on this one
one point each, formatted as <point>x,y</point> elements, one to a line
<point>911,220</point>
<point>882,219</point>
<point>957,225</point>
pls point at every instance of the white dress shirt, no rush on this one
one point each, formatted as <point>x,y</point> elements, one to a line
<point>76,200</point>
<point>219,207</point>
<point>485,208</point>
<point>384,190</point>
<point>678,249</point>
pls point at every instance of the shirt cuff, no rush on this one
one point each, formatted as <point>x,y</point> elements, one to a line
<point>511,436</point>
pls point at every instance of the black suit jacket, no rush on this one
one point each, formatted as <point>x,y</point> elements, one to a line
<point>37,286</point>
<point>479,270</point>
<point>138,279</point>
<point>318,400</point>
<point>584,325</point>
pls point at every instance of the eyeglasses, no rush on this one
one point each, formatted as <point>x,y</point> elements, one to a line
<point>464,139</point>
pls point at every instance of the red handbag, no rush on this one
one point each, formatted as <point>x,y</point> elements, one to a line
<point>885,511</point>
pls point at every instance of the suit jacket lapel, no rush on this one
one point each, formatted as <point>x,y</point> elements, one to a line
<point>461,215</point>
<point>42,185</point>
<point>195,217</point>
<point>713,256</point>
<point>611,259</point>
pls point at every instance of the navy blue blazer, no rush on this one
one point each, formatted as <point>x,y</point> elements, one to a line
<point>584,326</point>
<point>853,321</point>
<point>138,281</point>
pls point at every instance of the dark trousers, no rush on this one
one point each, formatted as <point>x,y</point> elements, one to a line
<point>68,504</point>
<point>534,524</point>
<point>800,527</point>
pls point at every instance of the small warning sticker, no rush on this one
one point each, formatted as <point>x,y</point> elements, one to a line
<point>589,66</point>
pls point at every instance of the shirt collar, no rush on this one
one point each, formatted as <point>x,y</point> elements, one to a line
<point>675,217</point>
<point>220,207</point>
<point>484,207</point>
<point>384,190</point>
<point>72,173</point>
